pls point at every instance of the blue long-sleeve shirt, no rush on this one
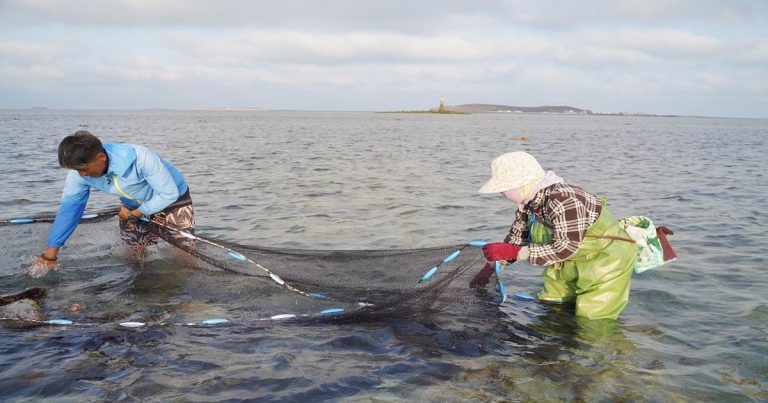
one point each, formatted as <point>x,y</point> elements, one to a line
<point>135,173</point>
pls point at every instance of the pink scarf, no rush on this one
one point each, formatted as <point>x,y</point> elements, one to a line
<point>514,195</point>
<point>549,179</point>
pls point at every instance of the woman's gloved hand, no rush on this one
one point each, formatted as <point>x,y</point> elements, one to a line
<point>501,251</point>
<point>482,277</point>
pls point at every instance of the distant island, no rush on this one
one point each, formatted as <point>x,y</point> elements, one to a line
<point>490,108</point>
<point>494,108</point>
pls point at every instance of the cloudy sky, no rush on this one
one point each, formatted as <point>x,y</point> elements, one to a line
<point>689,57</point>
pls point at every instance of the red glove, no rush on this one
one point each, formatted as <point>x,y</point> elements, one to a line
<point>482,277</point>
<point>500,251</point>
<point>666,247</point>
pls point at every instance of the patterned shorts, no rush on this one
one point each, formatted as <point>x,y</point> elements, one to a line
<point>181,216</point>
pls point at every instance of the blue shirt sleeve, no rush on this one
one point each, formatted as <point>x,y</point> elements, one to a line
<point>151,167</point>
<point>73,202</point>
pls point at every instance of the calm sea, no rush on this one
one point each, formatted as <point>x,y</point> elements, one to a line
<point>696,329</point>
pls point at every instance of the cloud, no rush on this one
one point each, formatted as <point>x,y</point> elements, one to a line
<point>31,72</point>
<point>665,43</point>
<point>30,61</point>
<point>392,16</point>
<point>586,48</point>
<point>567,13</point>
<point>300,47</point>
<point>593,54</point>
<point>754,52</point>
<point>333,15</point>
<point>142,68</point>
<point>25,52</point>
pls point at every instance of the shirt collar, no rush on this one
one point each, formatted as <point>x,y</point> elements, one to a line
<point>537,201</point>
<point>121,158</point>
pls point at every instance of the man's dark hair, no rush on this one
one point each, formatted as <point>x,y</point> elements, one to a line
<point>77,150</point>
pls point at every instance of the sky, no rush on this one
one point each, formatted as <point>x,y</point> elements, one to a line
<point>682,57</point>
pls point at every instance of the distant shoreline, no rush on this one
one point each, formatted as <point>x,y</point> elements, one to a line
<point>539,110</point>
<point>562,113</point>
<point>424,112</point>
<point>430,112</point>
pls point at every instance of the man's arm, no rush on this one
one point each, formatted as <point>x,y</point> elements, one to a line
<point>159,178</point>
<point>73,202</point>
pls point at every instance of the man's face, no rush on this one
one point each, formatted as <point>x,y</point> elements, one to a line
<point>95,168</point>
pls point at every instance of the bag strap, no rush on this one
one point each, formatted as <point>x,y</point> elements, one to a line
<point>615,238</point>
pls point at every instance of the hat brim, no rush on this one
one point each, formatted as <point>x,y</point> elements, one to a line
<point>495,185</point>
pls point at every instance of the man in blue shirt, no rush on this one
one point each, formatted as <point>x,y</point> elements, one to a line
<point>146,184</point>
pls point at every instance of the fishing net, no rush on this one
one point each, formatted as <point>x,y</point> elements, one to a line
<point>290,285</point>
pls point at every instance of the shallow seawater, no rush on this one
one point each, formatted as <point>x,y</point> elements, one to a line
<point>696,329</point>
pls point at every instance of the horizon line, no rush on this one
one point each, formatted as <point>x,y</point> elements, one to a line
<point>254,109</point>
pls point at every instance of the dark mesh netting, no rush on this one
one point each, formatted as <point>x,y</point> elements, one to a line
<point>282,285</point>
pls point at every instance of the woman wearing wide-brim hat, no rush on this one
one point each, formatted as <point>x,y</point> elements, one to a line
<point>587,254</point>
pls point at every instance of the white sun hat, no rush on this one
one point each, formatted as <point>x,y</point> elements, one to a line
<point>511,171</point>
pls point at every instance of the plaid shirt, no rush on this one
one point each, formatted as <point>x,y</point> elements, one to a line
<point>567,210</point>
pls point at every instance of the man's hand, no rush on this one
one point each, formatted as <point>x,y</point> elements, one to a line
<point>125,212</point>
<point>45,263</point>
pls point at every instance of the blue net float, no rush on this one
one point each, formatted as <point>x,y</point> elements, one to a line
<point>451,256</point>
<point>332,311</point>
<point>132,324</point>
<point>59,322</point>
<point>523,296</point>
<point>283,316</point>
<point>236,255</point>
<point>429,274</point>
<point>502,292</point>
<point>215,321</point>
